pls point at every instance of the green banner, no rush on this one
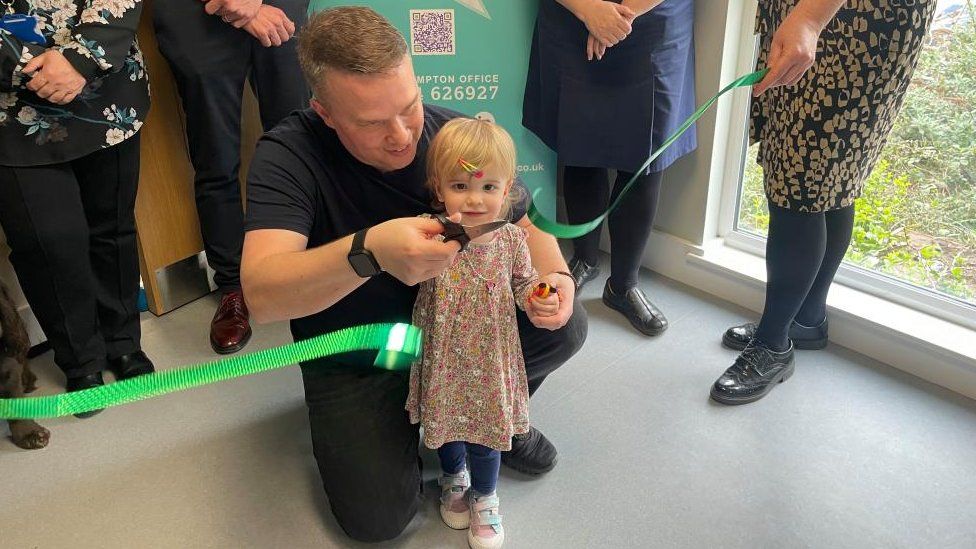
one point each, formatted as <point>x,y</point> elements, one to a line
<point>399,345</point>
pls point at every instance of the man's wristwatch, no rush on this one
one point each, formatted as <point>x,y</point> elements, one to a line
<point>361,259</point>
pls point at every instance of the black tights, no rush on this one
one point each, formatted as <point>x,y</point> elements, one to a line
<point>803,253</point>
<point>587,194</point>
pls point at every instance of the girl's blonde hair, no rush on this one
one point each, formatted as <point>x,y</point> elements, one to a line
<point>481,143</point>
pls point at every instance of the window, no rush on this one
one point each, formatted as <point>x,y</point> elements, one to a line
<point>915,228</point>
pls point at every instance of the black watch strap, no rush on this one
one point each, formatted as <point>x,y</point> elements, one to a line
<point>358,240</point>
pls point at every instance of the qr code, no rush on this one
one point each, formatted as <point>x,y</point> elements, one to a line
<point>432,32</point>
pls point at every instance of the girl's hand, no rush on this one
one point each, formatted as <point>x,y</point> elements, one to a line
<point>543,306</point>
<point>608,22</point>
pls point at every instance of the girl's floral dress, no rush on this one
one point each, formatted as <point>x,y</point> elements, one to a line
<point>98,38</point>
<point>470,383</point>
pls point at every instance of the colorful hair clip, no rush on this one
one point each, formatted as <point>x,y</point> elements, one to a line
<point>470,168</point>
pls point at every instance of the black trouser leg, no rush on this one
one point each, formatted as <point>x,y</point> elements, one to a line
<point>109,180</point>
<point>276,77</point>
<point>545,350</point>
<point>587,194</point>
<point>630,226</point>
<point>365,446</point>
<point>794,252</point>
<point>44,220</point>
<point>366,449</point>
<point>210,61</point>
<point>840,226</point>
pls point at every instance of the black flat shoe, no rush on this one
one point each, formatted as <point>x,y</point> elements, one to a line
<point>131,365</point>
<point>804,337</point>
<point>635,306</point>
<point>583,272</point>
<point>531,453</point>
<point>81,383</point>
<point>754,374</point>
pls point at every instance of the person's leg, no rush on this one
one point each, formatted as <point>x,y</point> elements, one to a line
<point>630,226</point>
<point>454,483</point>
<point>586,192</point>
<point>276,77</point>
<point>210,61</point>
<point>366,449</point>
<point>452,456</point>
<point>543,351</point>
<point>486,527</point>
<point>794,252</point>
<point>108,180</point>
<point>485,463</point>
<point>840,226</point>
<point>44,221</point>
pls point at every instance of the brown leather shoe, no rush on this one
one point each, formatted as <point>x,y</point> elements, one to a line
<point>230,330</point>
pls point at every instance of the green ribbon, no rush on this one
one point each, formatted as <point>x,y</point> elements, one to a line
<point>398,345</point>
<point>561,230</point>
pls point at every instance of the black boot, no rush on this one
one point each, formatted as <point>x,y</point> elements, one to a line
<point>82,383</point>
<point>583,272</point>
<point>635,306</point>
<point>803,337</point>
<point>755,372</point>
<point>131,365</point>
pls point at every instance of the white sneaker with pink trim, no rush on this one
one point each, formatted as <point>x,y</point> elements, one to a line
<point>486,530</point>
<point>455,510</point>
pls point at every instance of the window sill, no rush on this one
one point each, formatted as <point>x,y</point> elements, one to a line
<point>931,348</point>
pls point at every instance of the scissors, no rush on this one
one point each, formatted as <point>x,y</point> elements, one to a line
<point>464,233</point>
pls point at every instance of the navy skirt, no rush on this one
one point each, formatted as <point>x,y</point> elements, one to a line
<point>614,112</point>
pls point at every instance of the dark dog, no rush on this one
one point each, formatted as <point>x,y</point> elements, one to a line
<point>16,379</point>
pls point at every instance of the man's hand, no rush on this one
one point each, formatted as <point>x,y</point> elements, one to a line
<point>566,294</point>
<point>233,12</point>
<point>608,22</point>
<point>54,78</point>
<point>406,248</point>
<point>270,26</point>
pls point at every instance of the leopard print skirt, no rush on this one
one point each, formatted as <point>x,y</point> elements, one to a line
<point>820,139</point>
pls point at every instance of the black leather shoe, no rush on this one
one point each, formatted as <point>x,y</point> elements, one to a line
<point>634,305</point>
<point>131,365</point>
<point>755,372</point>
<point>803,337</point>
<point>82,383</point>
<point>583,272</point>
<point>531,453</point>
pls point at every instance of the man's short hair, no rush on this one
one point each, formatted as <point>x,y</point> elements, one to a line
<point>353,39</point>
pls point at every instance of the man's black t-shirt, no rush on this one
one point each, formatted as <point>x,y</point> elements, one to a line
<point>303,179</point>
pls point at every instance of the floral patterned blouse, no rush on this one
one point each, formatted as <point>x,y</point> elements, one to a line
<point>470,383</point>
<point>98,38</point>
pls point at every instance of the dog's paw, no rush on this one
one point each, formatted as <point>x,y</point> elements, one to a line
<point>29,435</point>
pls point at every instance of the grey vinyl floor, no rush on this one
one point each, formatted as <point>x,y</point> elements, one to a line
<point>847,453</point>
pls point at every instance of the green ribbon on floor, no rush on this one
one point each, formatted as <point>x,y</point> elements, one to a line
<point>561,230</point>
<point>398,346</point>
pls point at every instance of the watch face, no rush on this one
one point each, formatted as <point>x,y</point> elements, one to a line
<point>363,264</point>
